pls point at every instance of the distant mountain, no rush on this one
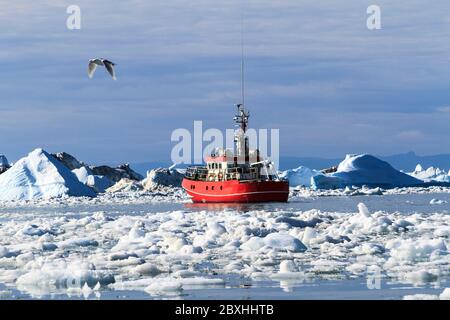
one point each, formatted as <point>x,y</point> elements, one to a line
<point>405,162</point>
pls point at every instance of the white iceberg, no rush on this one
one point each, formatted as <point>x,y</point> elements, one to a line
<point>40,175</point>
<point>364,169</point>
<point>431,174</point>
<point>300,176</point>
<point>162,177</point>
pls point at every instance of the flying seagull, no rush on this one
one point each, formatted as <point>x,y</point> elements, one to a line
<point>93,63</point>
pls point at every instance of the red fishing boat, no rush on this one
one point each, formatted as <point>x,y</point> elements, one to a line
<point>237,177</point>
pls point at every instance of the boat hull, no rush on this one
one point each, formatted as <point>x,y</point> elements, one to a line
<point>235,191</point>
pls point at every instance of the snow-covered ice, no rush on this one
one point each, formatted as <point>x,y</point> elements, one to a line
<point>162,177</point>
<point>430,174</point>
<point>133,243</point>
<point>40,175</point>
<point>365,169</point>
<point>300,176</point>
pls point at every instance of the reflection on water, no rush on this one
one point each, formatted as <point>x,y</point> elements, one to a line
<point>240,207</point>
<point>285,289</point>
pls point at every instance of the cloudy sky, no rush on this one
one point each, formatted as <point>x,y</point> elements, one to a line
<point>313,70</point>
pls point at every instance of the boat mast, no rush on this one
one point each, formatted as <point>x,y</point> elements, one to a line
<point>242,116</point>
<point>242,59</point>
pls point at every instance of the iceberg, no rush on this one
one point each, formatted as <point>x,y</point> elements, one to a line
<point>300,176</point>
<point>162,177</point>
<point>431,174</point>
<point>116,174</point>
<point>364,169</point>
<point>40,175</point>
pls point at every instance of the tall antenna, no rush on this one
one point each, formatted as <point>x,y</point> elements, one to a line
<point>242,55</point>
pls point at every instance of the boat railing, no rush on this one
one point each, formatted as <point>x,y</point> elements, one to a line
<point>196,173</point>
<point>236,173</point>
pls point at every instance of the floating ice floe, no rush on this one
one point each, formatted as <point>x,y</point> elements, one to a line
<point>358,170</point>
<point>165,253</point>
<point>40,175</point>
<point>437,201</point>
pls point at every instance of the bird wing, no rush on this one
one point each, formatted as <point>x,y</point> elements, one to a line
<point>91,69</point>
<point>109,66</point>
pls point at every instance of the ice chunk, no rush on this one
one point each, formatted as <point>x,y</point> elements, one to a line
<point>437,201</point>
<point>363,210</point>
<point>6,253</point>
<point>410,250</point>
<point>215,229</point>
<point>445,295</point>
<point>288,266</point>
<point>421,277</point>
<point>147,269</point>
<point>280,241</point>
<point>126,185</point>
<point>309,235</point>
<point>59,274</point>
<point>166,287</point>
<point>296,223</point>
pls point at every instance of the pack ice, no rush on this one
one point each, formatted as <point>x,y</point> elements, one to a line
<point>166,252</point>
<point>40,175</point>
<point>364,169</point>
